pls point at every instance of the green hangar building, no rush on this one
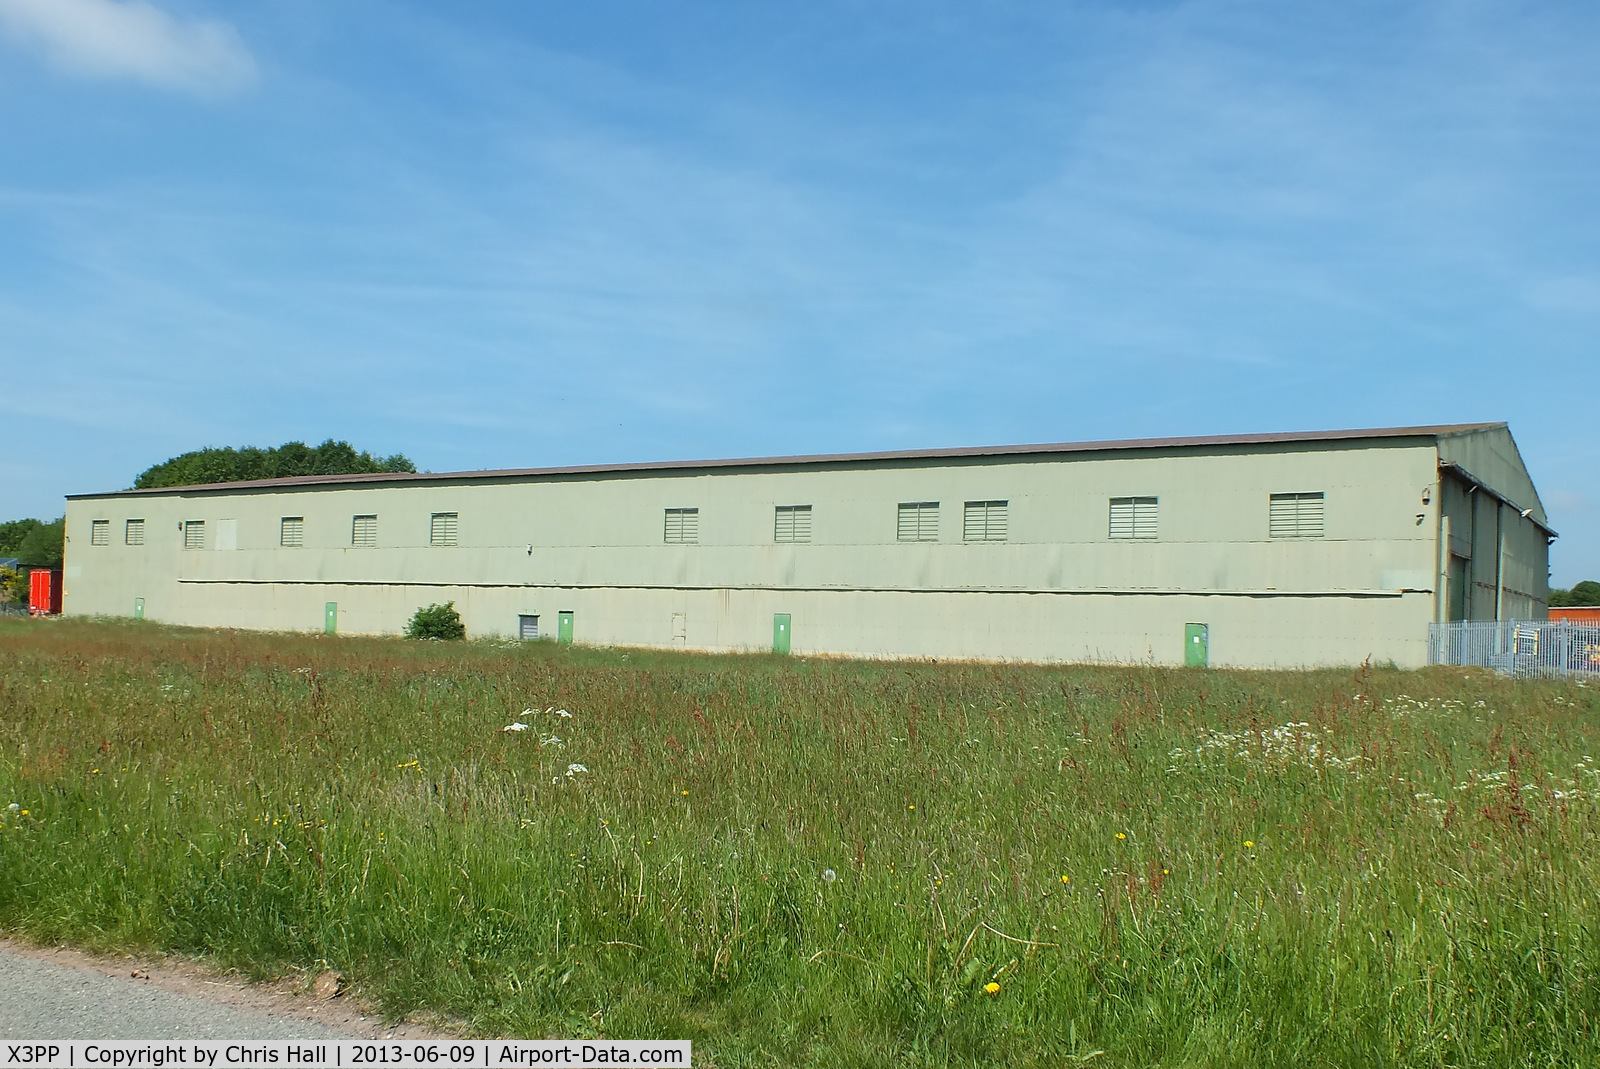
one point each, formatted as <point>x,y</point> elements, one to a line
<point>1250,551</point>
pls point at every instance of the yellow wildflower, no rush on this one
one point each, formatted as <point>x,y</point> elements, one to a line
<point>1120,835</point>
<point>991,988</point>
<point>1249,844</point>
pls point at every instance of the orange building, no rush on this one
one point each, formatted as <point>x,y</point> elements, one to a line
<point>1578,614</point>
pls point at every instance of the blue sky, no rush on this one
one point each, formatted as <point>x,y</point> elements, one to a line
<point>512,234</point>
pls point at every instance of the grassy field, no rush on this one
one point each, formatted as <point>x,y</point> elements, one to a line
<point>820,862</point>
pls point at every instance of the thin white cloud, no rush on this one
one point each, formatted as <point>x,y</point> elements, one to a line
<point>135,40</point>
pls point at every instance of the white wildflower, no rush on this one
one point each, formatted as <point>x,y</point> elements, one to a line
<point>564,714</point>
<point>575,768</point>
<point>518,726</point>
<point>550,740</point>
<point>828,875</point>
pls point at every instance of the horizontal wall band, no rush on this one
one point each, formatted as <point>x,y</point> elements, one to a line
<point>1074,591</point>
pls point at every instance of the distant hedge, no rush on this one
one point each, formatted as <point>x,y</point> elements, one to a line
<point>230,465</point>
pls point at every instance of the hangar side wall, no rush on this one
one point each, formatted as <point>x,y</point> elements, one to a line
<point>1057,588</point>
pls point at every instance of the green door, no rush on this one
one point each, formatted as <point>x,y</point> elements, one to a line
<point>138,608</point>
<point>564,628</point>
<point>780,632</point>
<point>330,618</point>
<point>1196,645</point>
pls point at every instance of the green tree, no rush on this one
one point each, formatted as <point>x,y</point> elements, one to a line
<point>44,544</point>
<point>12,532</point>
<point>230,465</point>
<point>1582,594</point>
<point>13,586</point>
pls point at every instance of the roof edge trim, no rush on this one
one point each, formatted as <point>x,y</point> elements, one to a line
<point>1040,449</point>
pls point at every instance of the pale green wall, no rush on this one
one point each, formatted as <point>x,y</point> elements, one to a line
<point>1059,589</point>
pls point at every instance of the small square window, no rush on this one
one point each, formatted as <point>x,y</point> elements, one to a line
<point>1297,515</point>
<point>791,523</point>
<point>99,532</point>
<point>133,533</point>
<point>194,534</point>
<point>1133,517</point>
<point>364,531</point>
<point>918,521</point>
<point>682,527</point>
<point>527,626</point>
<point>442,529</point>
<point>985,521</point>
<point>292,531</point>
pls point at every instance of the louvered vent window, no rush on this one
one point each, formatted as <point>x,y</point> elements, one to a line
<point>984,521</point>
<point>99,532</point>
<point>442,531</point>
<point>292,531</point>
<point>194,534</point>
<point>682,527</point>
<point>133,533</point>
<point>1133,517</point>
<point>919,521</point>
<point>791,523</point>
<point>527,626</point>
<point>1295,515</point>
<point>364,531</point>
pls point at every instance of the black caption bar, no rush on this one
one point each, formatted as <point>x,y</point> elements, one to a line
<point>345,1054</point>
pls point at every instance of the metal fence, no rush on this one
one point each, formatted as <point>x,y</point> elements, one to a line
<point>1518,648</point>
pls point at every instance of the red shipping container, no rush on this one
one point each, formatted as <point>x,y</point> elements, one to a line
<point>44,591</point>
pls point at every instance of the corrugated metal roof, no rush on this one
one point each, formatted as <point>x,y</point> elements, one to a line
<point>1047,449</point>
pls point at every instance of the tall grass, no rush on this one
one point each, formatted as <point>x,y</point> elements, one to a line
<point>818,862</point>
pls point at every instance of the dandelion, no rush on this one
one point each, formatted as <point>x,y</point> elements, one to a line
<point>1249,844</point>
<point>1121,835</point>
<point>1066,879</point>
<point>991,988</point>
<point>828,875</point>
<point>911,807</point>
<point>686,794</point>
<point>410,764</point>
<point>25,813</point>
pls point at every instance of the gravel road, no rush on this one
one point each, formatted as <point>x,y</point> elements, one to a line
<point>60,994</point>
